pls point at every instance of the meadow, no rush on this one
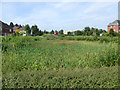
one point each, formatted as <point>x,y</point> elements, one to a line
<point>60,62</point>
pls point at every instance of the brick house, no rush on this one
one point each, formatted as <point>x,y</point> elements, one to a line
<point>5,29</point>
<point>115,26</point>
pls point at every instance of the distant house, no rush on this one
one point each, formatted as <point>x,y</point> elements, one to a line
<point>72,32</point>
<point>18,27</point>
<point>56,33</point>
<point>115,26</point>
<point>5,29</point>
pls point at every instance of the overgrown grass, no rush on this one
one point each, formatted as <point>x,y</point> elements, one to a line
<point>106,77</point>
<point>33,55</point>
<point>83,38</point>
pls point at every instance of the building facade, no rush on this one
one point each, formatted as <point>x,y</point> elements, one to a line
<point>115,26</point>
<point>18,27</point>
<point>5,29</point>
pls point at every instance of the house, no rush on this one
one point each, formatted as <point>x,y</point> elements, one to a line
<point>56,33</point>
<point>20,28</point>
<point>72,32</point>
<point>115,26</point>
<point>5,29</point>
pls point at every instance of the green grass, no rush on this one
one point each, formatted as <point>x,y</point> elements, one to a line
<point>63,59</point>
<point>105,77</point>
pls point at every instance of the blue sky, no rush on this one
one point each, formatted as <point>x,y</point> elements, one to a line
<point>60,15</point>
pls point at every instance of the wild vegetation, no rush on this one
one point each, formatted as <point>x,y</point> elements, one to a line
<point>59,62</point>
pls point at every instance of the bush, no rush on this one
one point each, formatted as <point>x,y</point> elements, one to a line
<point>36,38</point>
<point>14,42</point>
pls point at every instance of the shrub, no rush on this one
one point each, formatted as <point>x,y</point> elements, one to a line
<point>36,38</point>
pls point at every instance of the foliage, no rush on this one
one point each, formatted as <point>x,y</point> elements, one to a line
<point>111,32</point>
<point>61,32</point>
<point>52,32</point>
<point>27,29</point>
<point>40,33</point>
<point>45,32</point>
<point>11,24</point>
<point>69,33</point>
<point>78,32</point>
<point>28,44</point>
<point>77,78</point>
<point>54,63</point>
<point>35,30</point>
<point>16,24</point>
<point>22,32</point>
<point>17,31</point>
<point>87,29</point>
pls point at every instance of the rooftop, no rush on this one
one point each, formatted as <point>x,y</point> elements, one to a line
<point>116,22</point>
<point>4,25</point>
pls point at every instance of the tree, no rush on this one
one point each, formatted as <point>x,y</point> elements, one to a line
<point>40,33</point>
<point>111,32</point>
<point>35,30</point>
<point>87,29</point>
<point>97,32</point>
<point>69,33</point>
<point>61,31</point>
<point>52,32</point>
<point>27,29</point>
<point>16,24</point>
<point>78,32</point>
<point>46,32</point>
<point>11,24</point>
<point>20,25</point>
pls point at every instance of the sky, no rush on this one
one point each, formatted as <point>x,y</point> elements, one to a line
<point>68,16</point>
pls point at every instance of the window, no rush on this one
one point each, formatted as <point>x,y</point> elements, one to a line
<point>10,30</point>
<point>5,34</point>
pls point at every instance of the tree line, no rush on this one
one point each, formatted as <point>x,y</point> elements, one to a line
<point>87,31</point>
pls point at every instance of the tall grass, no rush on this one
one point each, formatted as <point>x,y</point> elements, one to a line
<point>27,53</point>
<point>83,38</point>
<point>21,54</point>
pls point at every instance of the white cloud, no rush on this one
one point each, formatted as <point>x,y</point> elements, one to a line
<point>97,6</point>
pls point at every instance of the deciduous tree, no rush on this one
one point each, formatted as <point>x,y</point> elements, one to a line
<point>27,29</point>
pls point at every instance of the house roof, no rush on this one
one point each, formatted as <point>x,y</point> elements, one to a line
<point>17,27</point>
<point>21,28</point>
<point>4,25</point>
<point>116,22</point>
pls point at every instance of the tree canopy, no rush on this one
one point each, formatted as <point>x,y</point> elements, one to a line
<point>11,24</point>
<point>27,29</point>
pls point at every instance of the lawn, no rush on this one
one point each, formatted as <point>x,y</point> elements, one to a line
<point>28,62</point>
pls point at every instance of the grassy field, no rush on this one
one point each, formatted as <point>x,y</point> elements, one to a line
<point>32,62</point>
